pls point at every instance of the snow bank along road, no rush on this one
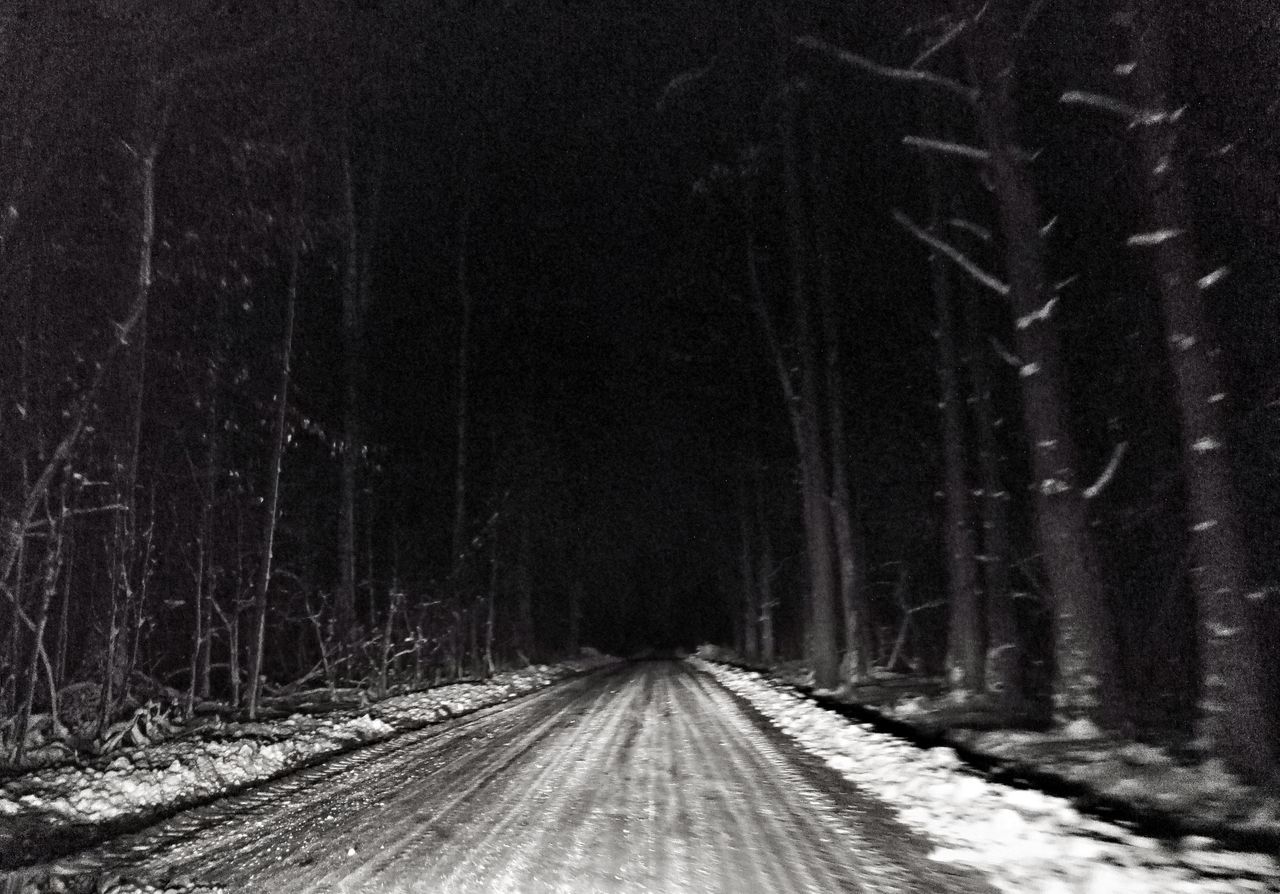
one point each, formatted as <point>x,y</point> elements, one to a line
<point>647,777</point>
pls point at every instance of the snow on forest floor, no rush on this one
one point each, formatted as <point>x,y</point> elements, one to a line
<point>1024,839</point>
<point>55,808</point>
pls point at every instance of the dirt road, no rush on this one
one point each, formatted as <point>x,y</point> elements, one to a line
<point>648,778</point>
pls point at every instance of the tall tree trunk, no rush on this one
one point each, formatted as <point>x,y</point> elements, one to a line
<point>64,608</point>
<point>491,604</point>
<point>263,582</point>
<point>212,475</point>
<point>765,577</point>
<point>822,646</point>
<point>791,400</point>
<point>125,521</point>
<point>49,585</point>
<point>855,602</point>
<point>12,683</point>
<point>20,619</point>
<point>388,627</point>
<point>1086,682</point>
<point>577,593</point>
<point>527,646</point>
<point>747,617</point>
<point>461,419</point>
<point>965,660</point>
<point>1002,672</point>
<point>204,575</point>
<point>232,617</point>
<point>1232,709</point>
<point>352,343</point>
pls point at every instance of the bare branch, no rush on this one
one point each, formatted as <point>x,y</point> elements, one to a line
<point>1004,353</point>
<point>680,81</point>
<point>970,227</point>
<point>1099,101</point>
<point>70,513</point>
<point>942,43</point>
<point>954,254</point>
<point>947,148</point>
<point>1029,19</point>
<point>909,75</point>
<point>1108,473</point>
<point>1135,116</point>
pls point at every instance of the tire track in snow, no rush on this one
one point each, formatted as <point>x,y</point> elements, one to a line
<point>563,771</point>
<point>791,864</point>
<point>739,849</point>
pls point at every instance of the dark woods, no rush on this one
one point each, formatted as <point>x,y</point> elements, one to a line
<point>958,358</point>
<point>1098,460</point>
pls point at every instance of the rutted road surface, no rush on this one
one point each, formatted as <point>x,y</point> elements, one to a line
<point>649,778</point>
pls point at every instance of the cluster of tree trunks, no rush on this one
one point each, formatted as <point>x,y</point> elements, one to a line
<point>93,504</point>
<point>983,41</point>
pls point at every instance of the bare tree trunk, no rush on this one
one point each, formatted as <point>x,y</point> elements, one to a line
<point>1003,669</point>
<point>263,582</point>
<point>12,683</point>
<point>388,626</point>
<point>577,592</point>
<point>1232,709</point>
<point>461,419</point>
<point>746,623</point>
<point>197,626</point>
<point>765,579</point>
<point>526,639</point>
<point>855,601</point>
<point>823,651</point>
<point>491,604</point>
<point>352,337</point>
<point>125,521</point>
<point>792,401</point>
<point>60,650</point>
<point>1086,682</point>
<point>20,619</point>
<point>212,476</point>
<point>146,567</point>
<point>966,650</point>
<point>201,657</point>
<point>49,585</point>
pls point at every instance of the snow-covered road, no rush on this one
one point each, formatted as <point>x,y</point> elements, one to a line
<point>649,777</point>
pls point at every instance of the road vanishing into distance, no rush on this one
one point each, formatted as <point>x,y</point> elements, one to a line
<point>649,777</point>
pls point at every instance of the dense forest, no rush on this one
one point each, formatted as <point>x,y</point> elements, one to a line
<point>375,342</point>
